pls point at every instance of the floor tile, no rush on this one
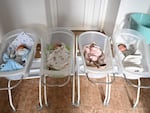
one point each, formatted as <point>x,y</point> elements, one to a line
<point>25,98</point>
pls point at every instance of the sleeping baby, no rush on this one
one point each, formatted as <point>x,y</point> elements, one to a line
<point>17,53</point>
<point>15,59</point>
<point>94,55</point>
<point>131,58</point>
<point>58,57</point>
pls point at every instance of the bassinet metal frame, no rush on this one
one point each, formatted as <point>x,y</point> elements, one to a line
<point>42,81</point>
<point>125,73</point>
<point>108,76</point>
<point>21,74</point>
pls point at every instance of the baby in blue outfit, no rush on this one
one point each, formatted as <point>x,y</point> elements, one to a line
<point>15,60</point>
<point>17,53</point>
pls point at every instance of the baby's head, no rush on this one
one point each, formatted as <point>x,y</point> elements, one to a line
<point>21,54</point>
<point>122,47</point>
<point>21,50</point>
<point>21,47</point>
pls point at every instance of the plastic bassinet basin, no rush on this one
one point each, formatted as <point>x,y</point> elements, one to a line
<point>7,39</point>
<point>131,37</point>
<point>56,36</point>
<point>104,43</point>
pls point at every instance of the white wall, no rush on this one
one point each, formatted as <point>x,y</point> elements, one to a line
<point>111,14</point>
<point>76,14</point>
<point>129,6</point>
<point>16,13</point>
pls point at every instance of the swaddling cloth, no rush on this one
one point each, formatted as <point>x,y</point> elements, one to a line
<point>58,58</point>
<point>21,39</point>
<point>133,63</point>
<point>20,47</point>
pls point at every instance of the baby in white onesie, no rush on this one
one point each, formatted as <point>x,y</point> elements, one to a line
<point>131,58</point>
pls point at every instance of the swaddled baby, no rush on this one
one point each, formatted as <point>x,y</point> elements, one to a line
<point>94,55</point>
<point>58,57</point>
<point>131,58</point>
<point>14,60</point>
<point>21,54</point>
<point>17,53</point>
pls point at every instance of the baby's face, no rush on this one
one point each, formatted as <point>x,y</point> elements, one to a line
<point>21,51</point>
<point>122,48</point>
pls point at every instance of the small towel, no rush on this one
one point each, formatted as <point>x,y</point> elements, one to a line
<point>10,65</point>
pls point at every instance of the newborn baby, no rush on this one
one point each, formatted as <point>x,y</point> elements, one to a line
<point>21,54</point>
<point>17,53</point>
<point>14,60</point>
<point>94,56</point>
<point>125,51</point>
<point>131,58</point>
<point>59,57</point>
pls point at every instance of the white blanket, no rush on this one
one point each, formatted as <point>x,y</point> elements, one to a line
<point>133,63</point>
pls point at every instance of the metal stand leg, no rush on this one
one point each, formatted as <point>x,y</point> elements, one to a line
<point>73,91</point>
<point>138,94</point>
<point>78,90</point>
<point>106,92</point>
<point>45,93</point>
<point>51,85</point>
<point>10,96</point>
<point>40,93</point>
<point>109,89</point>
<point>76,74</point>
<point>78,101</point>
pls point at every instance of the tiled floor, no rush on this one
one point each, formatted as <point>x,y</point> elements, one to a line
<point>25,98</point>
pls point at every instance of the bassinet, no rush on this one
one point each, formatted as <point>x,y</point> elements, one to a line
<point>18,74</point>
<point>57,36</point>
<point>135,65</point>
<point>103,42</point>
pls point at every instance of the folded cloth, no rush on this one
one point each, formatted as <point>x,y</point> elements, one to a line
<point>133,63</point>
<point>21,39</point>
<point>10,65</point>
<point>5,57</point>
